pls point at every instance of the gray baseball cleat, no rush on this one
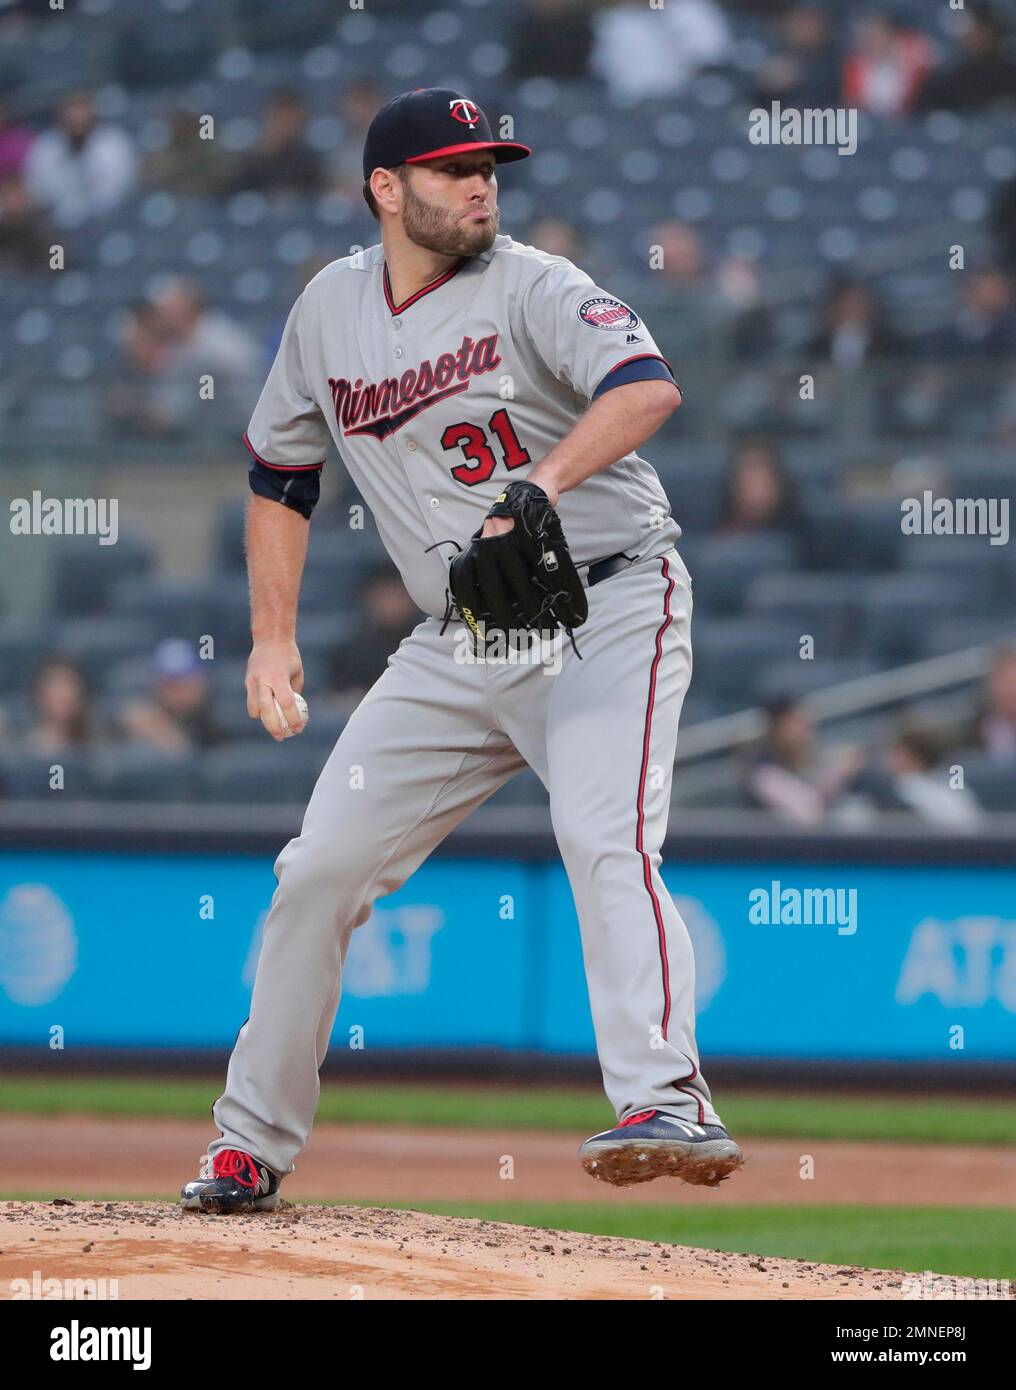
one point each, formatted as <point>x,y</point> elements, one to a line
<point>232,1181</point>
<point>652,1144</point>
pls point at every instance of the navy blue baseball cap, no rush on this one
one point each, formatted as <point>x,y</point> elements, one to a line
<point>427,123</point>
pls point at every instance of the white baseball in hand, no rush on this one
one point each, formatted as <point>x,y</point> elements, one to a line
<point>301,705</point>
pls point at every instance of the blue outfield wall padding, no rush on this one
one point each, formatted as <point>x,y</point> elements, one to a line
<point>894,962</point>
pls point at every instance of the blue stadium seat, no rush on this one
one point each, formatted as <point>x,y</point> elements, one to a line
<point>172,608</point>
<point>993,783</point>
<point>732,655</point>
<point>29,776</point>
<point>822,605</point>
<point>96,643</point>
<point>956,634</point>
<point>972,560</point>
<point>87,573</point>
<point>900,612</point>
<point>137,773</point>
<point>858,536</point>
<point>524,789</point>
<point>24,643</point>
<point>258,770</point>
<point>695,493</point>
<point>724,568</point>
<point>794,679</point>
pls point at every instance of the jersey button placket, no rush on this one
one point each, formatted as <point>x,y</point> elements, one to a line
<point>421,488</point>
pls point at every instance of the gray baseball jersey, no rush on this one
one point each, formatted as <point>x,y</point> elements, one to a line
<point>436,403</point>
<point>433,405</point>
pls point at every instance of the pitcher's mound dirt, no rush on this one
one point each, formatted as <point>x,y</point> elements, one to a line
<point>155,1250</point>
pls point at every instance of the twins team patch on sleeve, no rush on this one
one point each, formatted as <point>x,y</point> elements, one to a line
<point>608,313</point>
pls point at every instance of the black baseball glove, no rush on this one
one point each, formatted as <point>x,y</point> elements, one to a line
<point>525,578</point>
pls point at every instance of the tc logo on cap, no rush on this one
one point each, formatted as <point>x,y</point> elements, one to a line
<point>465,111</point>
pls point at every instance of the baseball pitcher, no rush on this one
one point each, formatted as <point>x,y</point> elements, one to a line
<point>488,401</point>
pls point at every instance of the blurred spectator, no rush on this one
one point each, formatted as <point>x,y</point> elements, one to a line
<point>750,326</point>
<point>854,326</point>
<point>884,71</point>
<point>203,342</point>
<point>551,38</point>
<point>788,775</point>
<point>62,721</point>
<point>25,231</point>
<point>132,401</point>
<point>909,779</point>
<point>361,99</point>
<point>681,262</point>
<point>985,321</point>
<point>177,715</point>
<point>282,161</point>
<point>682,285</point>
<point>805,69</point>
<point>994,728</point>
<point>557,237</point>
<point>15,142</point>
<point>758,494</point>
<point>187,165</point>
<point>387,614</point>
<point>166,347</point>
<point>80,168</point>
<point>642,53</point>
<point>984,76</point>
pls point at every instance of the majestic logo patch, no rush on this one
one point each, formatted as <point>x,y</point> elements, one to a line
<point>608,313</point>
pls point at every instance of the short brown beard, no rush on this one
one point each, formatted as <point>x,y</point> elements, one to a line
<point>439,230</point>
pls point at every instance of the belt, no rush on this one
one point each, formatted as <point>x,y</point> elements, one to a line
<point>603,569</point>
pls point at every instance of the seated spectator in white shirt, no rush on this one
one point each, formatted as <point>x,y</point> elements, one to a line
<point>81,168</point>
<point>641,52</point>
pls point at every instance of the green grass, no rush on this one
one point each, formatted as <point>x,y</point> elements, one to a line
<point>762,1115</point>
<point>948,1240</point>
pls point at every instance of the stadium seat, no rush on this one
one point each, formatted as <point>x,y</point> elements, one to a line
<point>823,605</point>
<point>29,776</point>
<point>83,584</point>
<point>856,536</point>
<point>171,608</point>
<point>992,782</point>
<point>258,770</point>
<point>524,789</point>
<point>724,568</point>
<point>988,630</point>
<point>792,680</point>
<point>95,644</point>
<point>733,654</point>
<point>900,612</point>
<point>24,643</point>
<point>137,773</point>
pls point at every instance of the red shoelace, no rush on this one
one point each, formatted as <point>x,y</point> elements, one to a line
<point>232,1163</point>
<point>637,1118</point>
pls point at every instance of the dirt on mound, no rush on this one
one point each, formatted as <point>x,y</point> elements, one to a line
<point>154,1250</point>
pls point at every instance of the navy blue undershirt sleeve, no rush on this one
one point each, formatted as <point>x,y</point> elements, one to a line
<point>638,369</point>
<point>296,488</point>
